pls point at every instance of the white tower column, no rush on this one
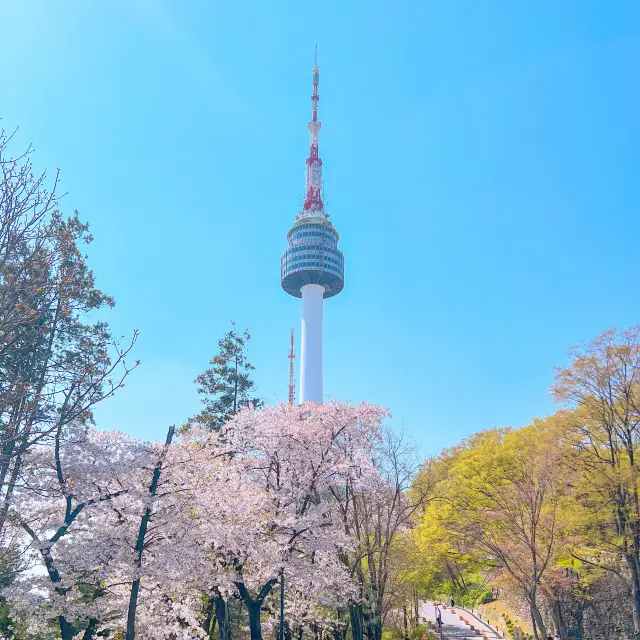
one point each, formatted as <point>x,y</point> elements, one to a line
<point>311,347</point>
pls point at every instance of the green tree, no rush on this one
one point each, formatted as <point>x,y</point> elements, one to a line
<point>499,507</point>
<point>602,383</point>
<point>227,385</point>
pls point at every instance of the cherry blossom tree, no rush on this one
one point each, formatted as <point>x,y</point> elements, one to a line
<point>276,510</point>
<point>66,507</point>
<point>87,513</point>
<point>185,526</point>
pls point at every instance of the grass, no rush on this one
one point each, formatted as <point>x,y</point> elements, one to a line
<point>495,613</point>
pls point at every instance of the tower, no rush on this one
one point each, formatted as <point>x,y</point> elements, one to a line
<point>312,266</point>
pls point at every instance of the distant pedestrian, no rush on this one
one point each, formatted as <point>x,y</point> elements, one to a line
<point>452,602</point>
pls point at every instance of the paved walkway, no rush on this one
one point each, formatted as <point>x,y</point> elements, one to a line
<point>452,626</point>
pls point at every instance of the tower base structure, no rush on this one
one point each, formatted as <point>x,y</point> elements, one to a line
<point>311,347</point>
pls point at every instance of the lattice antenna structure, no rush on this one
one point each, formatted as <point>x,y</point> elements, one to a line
<point>292,390</point>
<point>313,204</point>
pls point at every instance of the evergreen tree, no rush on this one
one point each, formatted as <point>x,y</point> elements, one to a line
<point>227,385</point>
<point>56,363</point>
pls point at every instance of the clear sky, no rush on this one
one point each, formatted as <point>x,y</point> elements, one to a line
<point>481,164</point>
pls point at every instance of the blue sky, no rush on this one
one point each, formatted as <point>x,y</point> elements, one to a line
<point>480,160</point>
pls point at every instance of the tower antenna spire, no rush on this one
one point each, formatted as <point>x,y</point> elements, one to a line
<point>292,355</point>
<point>313,204</point>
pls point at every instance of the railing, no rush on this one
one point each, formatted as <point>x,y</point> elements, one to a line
<point>496,632</point>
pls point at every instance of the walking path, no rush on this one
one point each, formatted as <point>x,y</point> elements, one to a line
<point>457,624</point>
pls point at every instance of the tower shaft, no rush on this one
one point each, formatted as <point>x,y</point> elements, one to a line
<point>311,343</point>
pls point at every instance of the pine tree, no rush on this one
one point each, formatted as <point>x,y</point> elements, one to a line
<point>226,385</point>
<point>56,362</point>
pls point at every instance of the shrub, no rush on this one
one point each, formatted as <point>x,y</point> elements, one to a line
<point>485,597</point>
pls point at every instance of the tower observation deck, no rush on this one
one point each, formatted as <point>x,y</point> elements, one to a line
<point>312,266</point>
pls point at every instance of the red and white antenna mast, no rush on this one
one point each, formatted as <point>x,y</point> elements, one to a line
<point>292,355</point>
<point>313,205</point>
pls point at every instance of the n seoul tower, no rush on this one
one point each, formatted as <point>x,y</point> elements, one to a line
<point>312,266</point>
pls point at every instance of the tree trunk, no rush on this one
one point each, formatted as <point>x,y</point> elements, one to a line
<point>66,630</point>
<point>558,620</point>
<point>538,622</point>
<point>90,631</point>
<point>24,445</point>
<point>374,626</point>
<point>209,618</point>
<point>635,591</point>
<point>253,609</point>
<point>405,623</point>
<point>224,628</point>
<point>355,614</point>
<point>633,525</point>
<point>254,605</point>
<point>10,439</point>
<point>235,389</point>
<point>146,518</point>
<point>368,625</point>
<point>17,465</point>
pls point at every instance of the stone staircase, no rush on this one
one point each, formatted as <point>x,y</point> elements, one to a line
<point>457,623</point>
<point>474,628</point>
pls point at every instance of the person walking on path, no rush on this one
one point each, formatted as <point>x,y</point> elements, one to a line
<point>439,621</point>
<point>452,602</point>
